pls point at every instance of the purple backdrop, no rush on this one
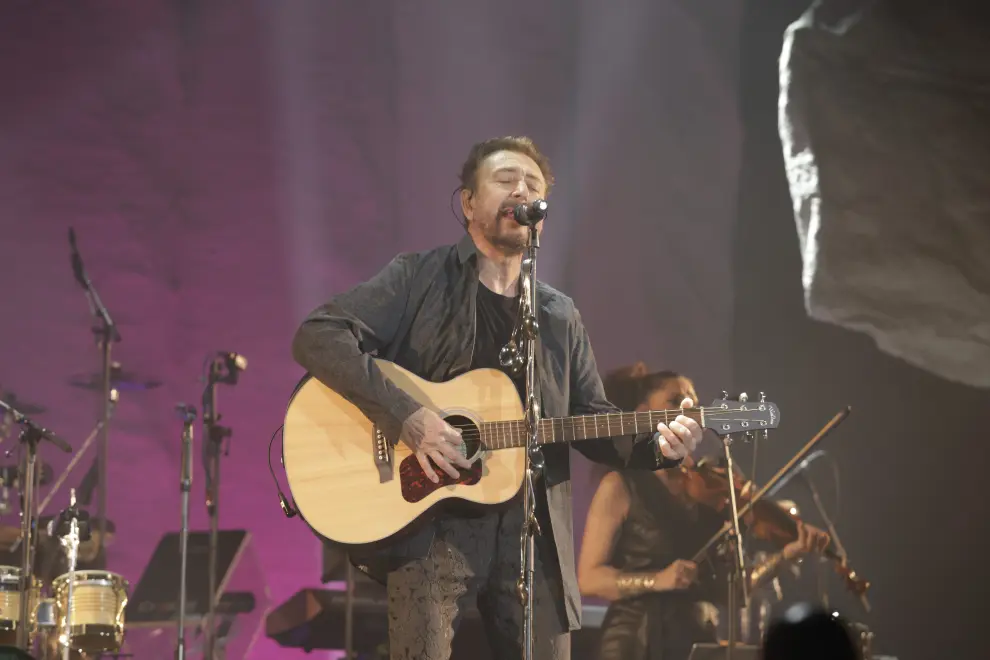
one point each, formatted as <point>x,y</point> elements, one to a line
<point>227,167</point>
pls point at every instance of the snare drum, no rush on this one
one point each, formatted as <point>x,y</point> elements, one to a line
<point>10,604</point>
<point>97,607</point>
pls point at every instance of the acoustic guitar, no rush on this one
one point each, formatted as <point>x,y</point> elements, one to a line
<point>354,486</point>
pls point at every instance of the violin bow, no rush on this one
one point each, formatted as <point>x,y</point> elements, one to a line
<point>798,457</point>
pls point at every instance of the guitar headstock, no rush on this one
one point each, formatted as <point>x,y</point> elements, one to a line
<point>726,416</point>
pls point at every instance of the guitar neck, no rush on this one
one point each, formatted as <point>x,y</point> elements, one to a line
<point>513,433</point>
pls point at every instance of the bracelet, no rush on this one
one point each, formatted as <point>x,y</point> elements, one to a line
<point>634,584</point>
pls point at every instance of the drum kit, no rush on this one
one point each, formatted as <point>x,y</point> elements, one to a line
<point>56,598</point>
<point>65,606</point>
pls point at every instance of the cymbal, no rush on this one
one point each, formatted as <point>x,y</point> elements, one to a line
<point>119,380</point>
<point>21,406</point>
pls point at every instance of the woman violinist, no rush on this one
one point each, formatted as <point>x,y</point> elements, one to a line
<point>643,528</point>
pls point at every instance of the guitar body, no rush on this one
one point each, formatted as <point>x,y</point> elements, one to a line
<point>353,487</point>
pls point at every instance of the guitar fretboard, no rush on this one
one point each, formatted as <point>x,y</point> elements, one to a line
<point>513,433</point>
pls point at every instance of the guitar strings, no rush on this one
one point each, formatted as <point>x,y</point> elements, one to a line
<point>508,432</point>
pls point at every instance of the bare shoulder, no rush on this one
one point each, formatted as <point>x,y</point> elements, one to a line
<point>612,492</point>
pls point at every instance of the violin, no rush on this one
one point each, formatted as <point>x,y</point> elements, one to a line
<point>709,486</point>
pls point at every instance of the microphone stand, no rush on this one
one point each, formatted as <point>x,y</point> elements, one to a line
<point>738,573</point>
<point>534,457</point>
<point>510,357</point>
<point>188,414</point>
<point>31,436</point>
<point>107,334</point>
<point>223,369</point>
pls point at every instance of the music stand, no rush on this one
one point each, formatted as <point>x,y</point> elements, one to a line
<point>710,651</point>
<point>243,599</point>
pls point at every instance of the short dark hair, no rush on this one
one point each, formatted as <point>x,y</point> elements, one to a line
<point>518,144</point>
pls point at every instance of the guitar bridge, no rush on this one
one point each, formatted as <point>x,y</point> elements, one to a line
<point>383,453</point>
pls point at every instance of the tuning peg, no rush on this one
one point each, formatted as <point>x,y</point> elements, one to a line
<point>743,397</point>
<point>763,397</point>
<point>725,395</point>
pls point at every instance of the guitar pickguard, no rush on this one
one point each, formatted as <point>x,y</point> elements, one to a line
<point>415,484</point>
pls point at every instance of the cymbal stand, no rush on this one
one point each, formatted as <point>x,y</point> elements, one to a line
<point>31,435</point>
<point>224,368</point>
<point>30,439</point>
<point>107,334</point>
<point>511,357</point>
<point>188,415</point>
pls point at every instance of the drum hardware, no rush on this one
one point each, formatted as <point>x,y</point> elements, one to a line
<point>70,538</point>
<point>87,610</point>
<point>225,367</point>
<point>88,546</point>
<point>31,436</point>
<point>10,478</point>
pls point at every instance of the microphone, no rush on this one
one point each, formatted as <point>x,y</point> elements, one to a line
<point>800,469</point>
<point>530,214</point>
<point>77,266</point>
<point>234,360</point>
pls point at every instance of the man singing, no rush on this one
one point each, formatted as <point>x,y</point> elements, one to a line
<point>439,314</point>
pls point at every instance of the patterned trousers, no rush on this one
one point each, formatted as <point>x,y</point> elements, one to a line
<point>474,559</point>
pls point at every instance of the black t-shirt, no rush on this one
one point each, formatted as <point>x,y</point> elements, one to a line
<point>496,317</point>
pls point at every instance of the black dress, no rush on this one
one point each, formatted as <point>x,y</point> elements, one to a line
<point>658,530</point>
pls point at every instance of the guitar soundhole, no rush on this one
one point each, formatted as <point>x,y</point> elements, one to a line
<point>414,482</point>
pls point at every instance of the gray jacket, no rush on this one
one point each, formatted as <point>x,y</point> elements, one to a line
<point>419,312</point>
